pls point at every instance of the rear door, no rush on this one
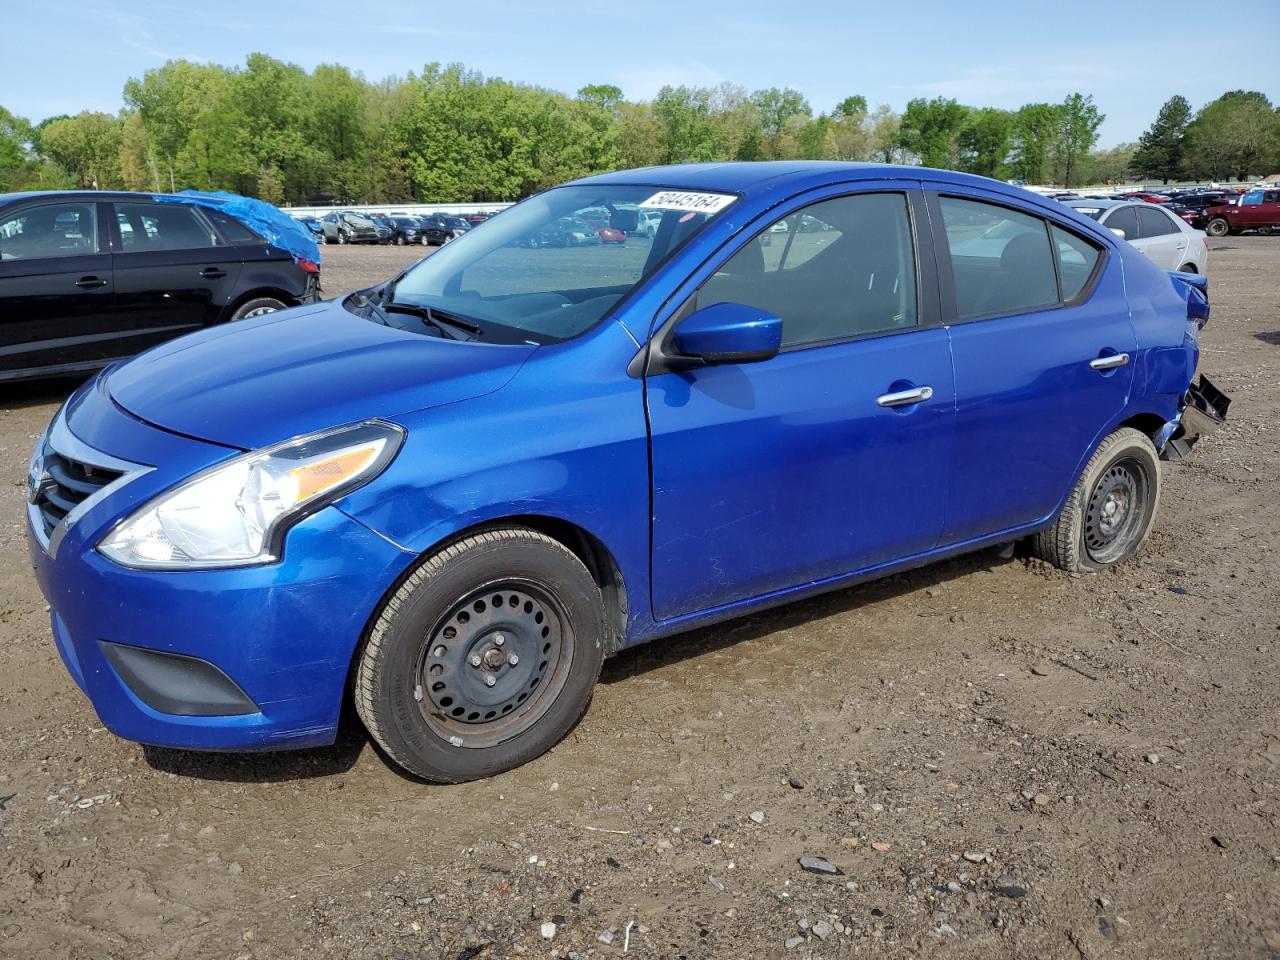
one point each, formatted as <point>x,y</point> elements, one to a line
<point>1042,344</point>
<point>55,287</point>
<point>1163,240</point>
<point>817,462</point>
<point>173,272</point>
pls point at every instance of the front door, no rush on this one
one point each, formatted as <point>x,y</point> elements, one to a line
<point>1043,349</point>
<point>55,287</point>
<point>828,458</point>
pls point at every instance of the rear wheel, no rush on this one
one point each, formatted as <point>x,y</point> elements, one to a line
<point>1217,227</point>
<point>257,307</point>
<point>1111,508</point>
<point>1188,268</point>
<point>484,658</point>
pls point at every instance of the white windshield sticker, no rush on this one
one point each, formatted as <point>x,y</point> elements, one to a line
<point>693,202</point>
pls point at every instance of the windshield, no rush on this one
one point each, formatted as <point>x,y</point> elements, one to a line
<point>540,273</point>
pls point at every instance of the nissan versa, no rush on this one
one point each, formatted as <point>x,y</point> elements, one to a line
<point>452,496</point>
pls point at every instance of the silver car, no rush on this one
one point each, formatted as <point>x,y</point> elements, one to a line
<point>1166,239</point>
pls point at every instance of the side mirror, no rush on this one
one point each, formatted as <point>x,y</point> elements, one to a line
<point>729,333</point>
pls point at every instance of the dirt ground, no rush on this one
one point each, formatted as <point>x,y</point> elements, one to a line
<point>1002,760</point>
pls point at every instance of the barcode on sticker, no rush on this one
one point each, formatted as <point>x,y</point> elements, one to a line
<point>693,202</point>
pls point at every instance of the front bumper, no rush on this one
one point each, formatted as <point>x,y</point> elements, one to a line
<point>282,636</point>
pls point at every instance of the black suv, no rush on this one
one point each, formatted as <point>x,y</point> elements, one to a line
<point>86,277</point>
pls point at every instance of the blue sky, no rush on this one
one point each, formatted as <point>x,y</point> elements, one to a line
<point>989,52</point>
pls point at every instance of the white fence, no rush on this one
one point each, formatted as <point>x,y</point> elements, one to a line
<point>413,209</point>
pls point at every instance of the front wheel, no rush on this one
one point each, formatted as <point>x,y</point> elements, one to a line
<point>484,658</point>
<point>1218,227</point>
<point>1111,508</point>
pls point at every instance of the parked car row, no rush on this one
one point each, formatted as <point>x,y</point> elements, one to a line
<point>1167,240</point>
<point>1218,211</point>
<point>349,226</point>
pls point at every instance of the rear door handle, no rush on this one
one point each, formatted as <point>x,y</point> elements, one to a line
<point>89,283</point>
<point>904,397</point>
<point>1109,362</point>
<point>213,273</point>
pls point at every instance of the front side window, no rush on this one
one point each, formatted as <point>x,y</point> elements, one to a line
<point>837,269</point>
<point>1000,259</point>
<point>540,272</point>
<point>1155,223</point>
<point>50,230</point>
<point>148,227</point>
<point>1251,199</point>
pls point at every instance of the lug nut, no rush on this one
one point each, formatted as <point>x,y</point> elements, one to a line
<point>474,660</point>
<point>490,679</point>
<point>513,660</point>
<point>499,639</point>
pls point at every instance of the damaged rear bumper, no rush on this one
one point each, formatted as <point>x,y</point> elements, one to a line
<point>1204,409</point>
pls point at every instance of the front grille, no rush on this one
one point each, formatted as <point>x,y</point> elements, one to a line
<point>65,484</point>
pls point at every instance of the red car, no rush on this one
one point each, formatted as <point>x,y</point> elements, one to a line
<point>607,233</point>
<point>1144,195</point>
<point>1256,210</point>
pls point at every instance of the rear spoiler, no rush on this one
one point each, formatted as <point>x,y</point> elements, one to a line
<point>1194,288</point>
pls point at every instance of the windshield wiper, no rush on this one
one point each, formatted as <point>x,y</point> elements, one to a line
<point>446,323</point>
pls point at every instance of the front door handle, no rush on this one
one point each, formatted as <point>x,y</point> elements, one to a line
<point>213,273</point>
<point>1109,362</point>
<point>89,283</point>
<point>904,397</point>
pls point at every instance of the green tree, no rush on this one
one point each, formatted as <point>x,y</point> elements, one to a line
<point>930,131</point>
<point>604,95</point>
<point>1078,123</point>
<point>782,113</point>
<point>689,133</point>
<point>1160,149</point>
<point>87,146</point>
<point>984,141</point>
<point>17,164</point>
<point>1109,166</point>
<point>1035,130</point>
<point>1237,135</point>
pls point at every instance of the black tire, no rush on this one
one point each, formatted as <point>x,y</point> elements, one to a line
<point>399,239</point>
<point>342,237</point>
<point>1188,268</point>
<point>1110,510</point>
<point>1217,227</point>
<point>422,684</point>
<point>257,307</point>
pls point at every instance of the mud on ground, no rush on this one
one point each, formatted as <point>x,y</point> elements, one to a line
<point>1003,761</point>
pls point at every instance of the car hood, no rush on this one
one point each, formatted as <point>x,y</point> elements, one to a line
<point>260,381</point>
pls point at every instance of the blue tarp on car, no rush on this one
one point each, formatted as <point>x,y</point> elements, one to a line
<point>274,225</point>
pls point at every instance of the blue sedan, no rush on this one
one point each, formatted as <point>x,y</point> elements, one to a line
<point>450,497</point>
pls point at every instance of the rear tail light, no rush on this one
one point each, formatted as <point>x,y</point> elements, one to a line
<point>309,266</point>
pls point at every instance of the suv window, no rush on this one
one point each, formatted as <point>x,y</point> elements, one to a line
<point>1126,219</point>
<point>1000,259</point>
<point>50,230</point>
<point>1155,223</point>
<point>232,230</point>
<point>837,269</point>
<point>162,226</point>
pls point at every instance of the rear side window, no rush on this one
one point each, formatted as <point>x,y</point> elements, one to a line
<point>1155,223</point>
<point>50,230</point>
<point>1000,259</point>
<point>232,230</point>
<point>1077,259</point>
<point>146,227</point>
<point>835,270</point>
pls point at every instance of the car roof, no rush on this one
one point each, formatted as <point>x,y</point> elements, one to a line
<point>748,177</point>
<point>1077,204</point>
<point>71,195</point>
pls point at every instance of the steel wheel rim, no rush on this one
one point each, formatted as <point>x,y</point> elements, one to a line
<point>474,643</point>
<point>259,312</point>
<point>1116,510</point>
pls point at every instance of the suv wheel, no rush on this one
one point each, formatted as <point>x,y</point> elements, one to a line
<point>342,236</point>
<point>484,658</point>
<point>1110,510</point>
<point>1218,227</point>
<point>257,307</point>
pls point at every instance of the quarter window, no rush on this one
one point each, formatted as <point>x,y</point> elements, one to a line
<point>50,230</point>
<point>233,231</point>
<point>837,269</point>
<point>1077,259</point>
<point>1000,259</point>
<point>162,226</point>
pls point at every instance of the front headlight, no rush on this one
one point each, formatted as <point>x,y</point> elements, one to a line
<point>236,513</point>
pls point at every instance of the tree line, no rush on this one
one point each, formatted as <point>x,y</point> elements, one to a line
<point>272,130</point>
